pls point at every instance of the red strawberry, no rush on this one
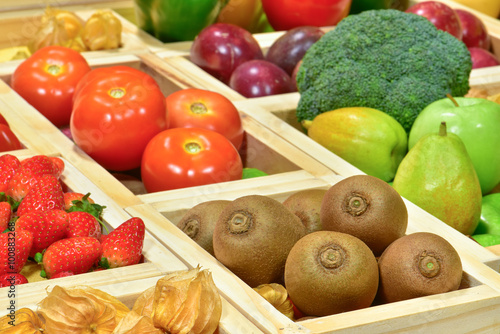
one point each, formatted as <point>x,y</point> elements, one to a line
<point>69,197</point>
<point>17,243</point>
<point>58,166</point>
<point>40,165</point>
<point>83,224</point>
<point>77,255</point>
<point>12,279</point>
<point>46,226</point>
<point>62,274</point>
<point>8,167</point>
<point>123,246</point>
<point>5,214</point>
<point>25,176</point>
<point>45,194</point>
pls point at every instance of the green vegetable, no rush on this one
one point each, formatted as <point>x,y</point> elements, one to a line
<point>249,173</point>
<point>384,59</point>
<point>357,6</point>
<point>176,20</point>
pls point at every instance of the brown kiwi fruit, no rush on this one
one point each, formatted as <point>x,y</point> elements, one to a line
<point>366,207</point>
<point>416,265</point>
<point>330,272</point>
<point>253,237</point>
<point>199,222</point>
<point>306,204</point>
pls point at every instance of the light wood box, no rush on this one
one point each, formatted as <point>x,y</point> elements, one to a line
<point>471,309</point>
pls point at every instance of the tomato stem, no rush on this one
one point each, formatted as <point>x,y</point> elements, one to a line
<point>117,92</point>
<point>198,108</point>
<point>192,148</point>
<point>54,69</point>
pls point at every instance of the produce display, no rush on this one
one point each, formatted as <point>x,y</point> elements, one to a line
<point>180,302</point>
<point>395,103</point>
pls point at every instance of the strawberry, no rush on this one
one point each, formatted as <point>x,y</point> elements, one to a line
<point>12,279</point>
<point>8,167</point>
<point>62,274</point>
<point>17,243</point>
<point>73,198</point>
<point>26,175</point>
<point>46,226</point>
<point>5,214</point>
<point>123,246</point>
<point>45,194</point>
<point>58,166</point>
<point>83,224</point>
<point>77,255</point>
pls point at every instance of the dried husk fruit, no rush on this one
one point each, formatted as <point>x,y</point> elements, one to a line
<point>144,303</point>
<point>58,27</point>
<point>80,310</point>
<point>24,321</point>
<point>102,31</point>
<point>277,296</point>
<point>134,323</point>
<point>187,302</point>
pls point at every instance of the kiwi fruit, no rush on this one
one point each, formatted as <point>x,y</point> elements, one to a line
<point>365,207</point>
<point>416,265</point>
<point>253,237</point>
<point>331,272</point>
<point>199,222</point>
<point>306,204</point>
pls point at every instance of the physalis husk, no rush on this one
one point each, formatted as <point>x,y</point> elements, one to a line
<point>187,302</point>
<point>102,31</point>
<point>24,321</point>
<point>277,295</point>
<point>134,323</point>
<point>81,310</point>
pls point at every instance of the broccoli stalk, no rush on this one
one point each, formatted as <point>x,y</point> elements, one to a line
<point>384,59</point>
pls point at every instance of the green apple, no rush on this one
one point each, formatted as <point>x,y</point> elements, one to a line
<point>367,138</point>
<point>477,122</point>
<point>489,223</point>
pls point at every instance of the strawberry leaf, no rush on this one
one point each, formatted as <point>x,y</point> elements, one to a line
<point>86,206</point>
<point>6,198</point>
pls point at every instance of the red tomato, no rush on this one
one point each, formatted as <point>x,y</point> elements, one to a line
<point>115,116</point>
<point>288,14</point>
<point>47,80</point>
<point>102,72</point>
<point>199,108</point>
<point>8,140</point>
<point>186,157</point>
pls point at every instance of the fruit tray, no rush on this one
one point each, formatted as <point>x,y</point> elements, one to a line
<point>13,5</point>
<point>262,148</point>
<point>474,305</point>
<point>17,29</point>
<point>127,291</point>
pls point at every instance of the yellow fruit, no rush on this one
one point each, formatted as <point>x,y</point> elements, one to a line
<point>488,7</point>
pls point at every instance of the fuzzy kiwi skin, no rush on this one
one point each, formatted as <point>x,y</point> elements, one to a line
<point>380,218</point>
<point>403,271</point>
<point>253,237</point>
<point>319,285</point>
<point>306,204</point>
<point>199,222</point>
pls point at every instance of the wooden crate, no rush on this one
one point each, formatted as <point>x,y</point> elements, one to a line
<point>232,321</point>
<point>17,29</point>
<point>474,307</point>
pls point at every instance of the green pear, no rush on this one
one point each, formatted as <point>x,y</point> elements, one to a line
<point>438,175</point>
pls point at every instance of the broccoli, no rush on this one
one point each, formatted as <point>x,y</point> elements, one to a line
<point>384,59</point>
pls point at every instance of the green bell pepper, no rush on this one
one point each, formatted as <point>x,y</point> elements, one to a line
<point>176,20</point>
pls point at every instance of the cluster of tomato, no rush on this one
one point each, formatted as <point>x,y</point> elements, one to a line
<point>120,117</point>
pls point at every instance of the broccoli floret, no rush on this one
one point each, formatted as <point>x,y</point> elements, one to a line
<point>384,59</point>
